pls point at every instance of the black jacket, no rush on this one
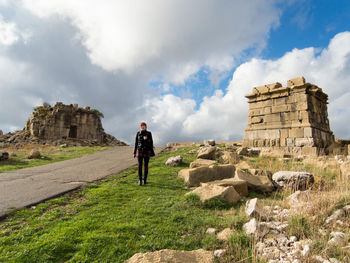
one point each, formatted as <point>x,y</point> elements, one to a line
<point>142,144</point>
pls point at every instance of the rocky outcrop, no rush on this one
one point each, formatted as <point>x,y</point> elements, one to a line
<point>207,153</point>
<point>201,163</point>
<point>62,124</point>
<point>208,192</point>
<point>258,183</point>
<point>174,161</point>
<point>173,256</point>
<point>241,187</point>
<point>293,180</point>
<point>195,176</point>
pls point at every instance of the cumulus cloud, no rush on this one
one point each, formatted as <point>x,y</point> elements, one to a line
<point>224,116</point>
<point>170,38</point>
<point>105,54</point>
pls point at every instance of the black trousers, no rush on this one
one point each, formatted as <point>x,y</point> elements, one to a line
<point>142,160</point>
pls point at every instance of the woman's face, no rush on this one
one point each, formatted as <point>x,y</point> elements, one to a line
<point>143,127</point>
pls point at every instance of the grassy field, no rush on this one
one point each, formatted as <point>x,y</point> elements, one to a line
<point>113,219</point>
<point>49,154</point>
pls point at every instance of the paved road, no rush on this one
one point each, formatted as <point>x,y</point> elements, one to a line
<point>30,186</point>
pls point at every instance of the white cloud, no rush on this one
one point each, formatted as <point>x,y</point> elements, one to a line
<point>9,34</point>
<point>172,38</point>
<point>224,116</point>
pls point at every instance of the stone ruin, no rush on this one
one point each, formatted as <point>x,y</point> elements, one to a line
<point>62,124</point>
<point>288,120</point>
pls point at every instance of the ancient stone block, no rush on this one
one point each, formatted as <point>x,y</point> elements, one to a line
<point>296,82</point>
<point>296,133</point>
<point>298,112</point>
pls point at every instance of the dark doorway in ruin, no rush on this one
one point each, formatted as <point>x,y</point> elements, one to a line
<point>73,132</point>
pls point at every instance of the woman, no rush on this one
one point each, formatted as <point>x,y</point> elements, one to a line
<point>143,150</point>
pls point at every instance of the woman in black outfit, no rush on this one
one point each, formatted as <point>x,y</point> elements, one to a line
<point>143,150</point>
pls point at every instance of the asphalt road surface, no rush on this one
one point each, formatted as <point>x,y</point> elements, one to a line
<point>30,186</point>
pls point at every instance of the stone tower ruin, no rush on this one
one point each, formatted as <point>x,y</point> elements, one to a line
<point>288,120</point>
<point>64,122</point>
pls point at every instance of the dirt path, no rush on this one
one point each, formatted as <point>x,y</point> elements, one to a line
<point>30,186</point>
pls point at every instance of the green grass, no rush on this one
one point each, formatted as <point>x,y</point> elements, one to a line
<point>49,155</point>
<point>112,220</point>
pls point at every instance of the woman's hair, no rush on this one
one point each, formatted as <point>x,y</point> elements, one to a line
<point>143,123</point>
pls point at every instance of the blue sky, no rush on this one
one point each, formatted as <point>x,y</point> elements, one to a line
<point>309,23</point>
<point>183,66</point>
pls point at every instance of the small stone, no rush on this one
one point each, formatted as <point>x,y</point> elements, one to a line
<point>333,260</point>
<point>336,214</point>
<point>306,251</point>
<point>209,142</point>
<point>347,209</point>
<point>174,161</point>
<point>4,156</point>
<point>339,222</point>
<point>34,154</point>
<point>318,258</point>
<point>338,238</point>
<point>219,253</point>
<point>225,234</point>
<point>254,208</point>
<point>211,231</point>
<point>250,227</point>
<point>293,239</point>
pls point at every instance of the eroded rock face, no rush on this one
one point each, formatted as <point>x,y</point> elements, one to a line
<point>241,187</point>
<point>257,183</point>
<point>229,157</point>
<point>208,192</point>
<point>207,153</point>
<point>173,256</point>
<point>293,180</point>
<point>195,176</point>
<point>201,163</point>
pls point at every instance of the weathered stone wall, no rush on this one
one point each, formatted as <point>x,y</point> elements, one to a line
<point>65,121</point>
<point>290,119</point>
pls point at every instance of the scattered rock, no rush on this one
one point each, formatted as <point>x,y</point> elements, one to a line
<point>64,145</point>
<point>255,183</point>
<point>208,192</point>
<point>219,253</point>
<point>209,143</point>
<point>299,199</point>
<point>338,238</point>
<point>229,157</point>
<point>207,153</point>
<point>250,227</point>
<point>193,151</point>
<point>337,214</point>
<point>201,163</point>
<point>242,151</point>
<point>174,161</point>
<point>254,208</point>
<point>173,256</point>
<point>195,176</point>
<point>4,156</point>
<point>240,186</point>
<point>225,234</point>
<point>34,154</point>
<point>211,231</point>
<point>293,180</point>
